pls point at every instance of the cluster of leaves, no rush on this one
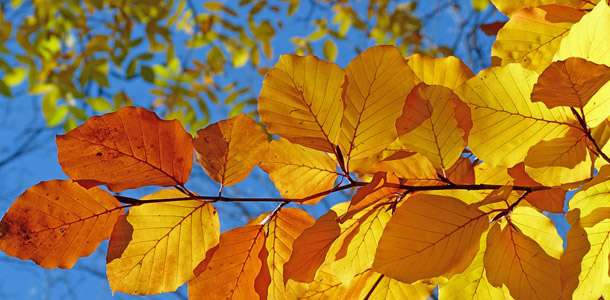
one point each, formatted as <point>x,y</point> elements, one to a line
<point>454,171</point>
<point>70,52</point>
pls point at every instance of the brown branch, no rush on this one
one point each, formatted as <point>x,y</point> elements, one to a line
<point>370,293</point>
<point>587,131</point>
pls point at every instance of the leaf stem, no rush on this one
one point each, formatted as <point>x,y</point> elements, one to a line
<point>587,131</point>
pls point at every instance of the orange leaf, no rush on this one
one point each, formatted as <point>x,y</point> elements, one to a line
<point>462,172</point>
<point>54,223</point>
<point>571,82</point>
<point>230,270</point>
<point>429,125</point>
<point>155,247</point>
<point>372,193</point>
<point>301,101</point>
<point>228,150</point>
<point>325,286</point>
<point>547,200</point>
<point>413,168</point>
<point>125,150</point>
<point>429,236</point>
<point>299,172</point>
<point>311,247</point>
<point>378,82</point>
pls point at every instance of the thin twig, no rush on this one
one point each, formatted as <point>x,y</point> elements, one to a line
<point>587,131</point>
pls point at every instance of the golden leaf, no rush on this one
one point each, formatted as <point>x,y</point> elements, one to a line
<point>532,35</point>
<point>508,7</point>
<point>299,172</point>
<point>230,270</point>
<point>372,193</point>
<point>375,286</point>
<point>301,101</point>
<point>228,150</point>
<point>412,167</point>
<point>155,247</point>
<point>505,122</point>
<point>429,236</point>
<point>545,200</point>
<point>54,223</point>
<point>378,82</point>
<point>429,125</point>
<point>449,71</point>
<point>593,194</point>
<point>126,150</point>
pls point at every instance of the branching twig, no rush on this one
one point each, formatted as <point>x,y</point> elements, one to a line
<point>587,131</point>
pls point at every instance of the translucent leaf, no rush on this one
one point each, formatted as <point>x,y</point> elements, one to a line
<point>508,7</point>
<point>517,261</point>
<point>15,76</point>
<point>127,149</point>
<point>54,223</point>
<point>585,263</point>
<point>229,149</point>
<point>593,194</point>
<point>532,35</point>
<point>429,125</point>
<point>449,71</point>
<point>378,83</point>
<point>560,161</point>
<point>301,101</point>
<point>545,200</point>
<point>376,286</point>
<point>462,172</point>
<point>429,236</point>
<point>571,82</point>
<point>472,283</point>
<point>414,168</point>
<point>324,286</point>
<point>373,193</point>
<point>155,247</point>
<point>330,50</point>
<point>230,270</point>
<point>299,172</point>
<point>505,122</point>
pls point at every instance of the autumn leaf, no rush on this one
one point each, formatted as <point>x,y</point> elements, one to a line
<point>571,82</point>
<point>325,286</point>
<point>429,125</point>
<point>517,260</point>
<point>462,172</point>
<point>299,172</point>
<point>371,285</point>
<point>506,124</point>
<point>429,236</point>
<point>412,167</point>
<point>301,101</point>
<point>593,194</point>
<point>54,223</point>
<point>230,269</point>
<point>372,193</point>
<point>532,35</point>
<point>545,200</point>
<point>472,283</point>
<point>228,150</point>
<point>378,82</point>
<point>125,150</point>
<point>155,247</point>
<point>311,247</point>
<point>449,72</point>
<point>508,7</point>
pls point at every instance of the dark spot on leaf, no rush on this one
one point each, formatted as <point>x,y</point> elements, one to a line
<point>62,230</point>
<point>4,229</point>
<point>99,154</point>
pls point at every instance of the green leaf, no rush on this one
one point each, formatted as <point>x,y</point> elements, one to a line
<point>173,65</point>
<point>5,90</point>
<point>69,124</point>
<point>57,116</point>
<point>15,76</point>
<point>147,73</point>
<point>99,104</point>
<point>239,57</point>
<point>213,6</point>
<point>216,60</point>
<point>480,5</point>
<point>330,50</point>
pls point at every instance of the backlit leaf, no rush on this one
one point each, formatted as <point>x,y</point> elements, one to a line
<point>324,286</point>
<point>299,172</point>
<point>230,269</point>
<point>449,71</point>
<point>380,287</point>
<point>571,82</point>
<point>508,7</point>
<point>517,261</point>
<point>155,247</point>
<point>301,101</point>
<point>378,83</point>
<point>125,150</point>
<point>429,125</point>
<point>462,172</point>
<point>429,236</point>
<point>505,122</point>
<point>228,150</point>
<point>54,223</point>
<point>372,193</point>
<point>412,167</point>
<point>532,35</point>
<point>593,194</point>
<point>545,200</point>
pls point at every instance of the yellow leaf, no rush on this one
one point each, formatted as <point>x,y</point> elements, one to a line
<point>545,200</point>
<point>601,135</point>
<point>330,50</point>
<point>588,38</point>
<point>499,195</point>
<point>539,228</point>
<point>230,269</point>
<point>585,263</point>
<point>412,167</point>
<point>429,125</point>
<point>508,7</point>
<point>560,161</point>
<point>228,150</point>
<point>472,283</point>
<point>301,101</point>
<point>532,35</point>
<point>311,247</point>
<point>571,82</point>
<point>155,247</point>
<point>379,287</point>
<point>517,261</point>
<point>358,251</point>
<point>299,172</point>
<point>449,71</point>
<point>429,236</point>
<point>378,82</point>
<point>505,122</point>
<point>593,194</point>
<point>324,286</point>
<point>54,223</point>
